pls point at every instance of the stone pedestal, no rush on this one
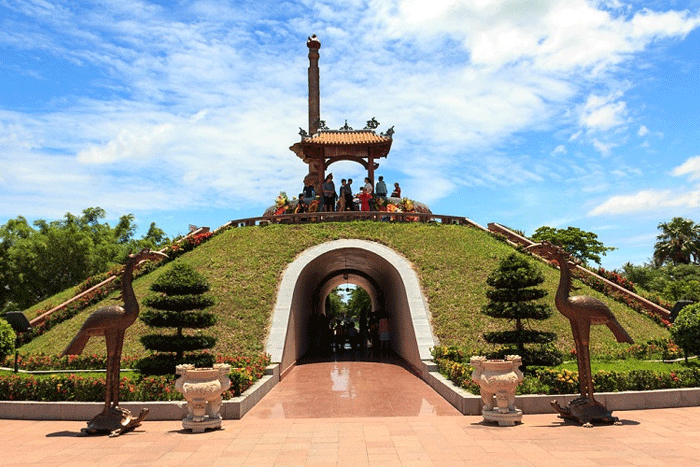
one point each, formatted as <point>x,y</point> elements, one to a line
<point>498,380</point>
<point>202,388</point>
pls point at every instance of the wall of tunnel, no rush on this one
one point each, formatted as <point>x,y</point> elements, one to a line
<point>384,274</point>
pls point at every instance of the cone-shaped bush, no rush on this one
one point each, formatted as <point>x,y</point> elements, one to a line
<point>514,296</point>
<point>178,300</point>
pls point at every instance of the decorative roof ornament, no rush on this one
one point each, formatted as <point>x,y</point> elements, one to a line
<point>313,42</point>
<point>372,124</point>
<point>322,125</point>
<point>346,127</point>
<point>303,132</point>
<point>389,132</point>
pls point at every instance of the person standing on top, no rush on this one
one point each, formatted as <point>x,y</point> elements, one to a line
<point>329,194</point>
<point>349,202</point>
<point>368,186</point>
<point>380,189</point>
<point>342,192</point>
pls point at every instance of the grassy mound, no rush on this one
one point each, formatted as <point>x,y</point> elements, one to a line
<point>244,265</point>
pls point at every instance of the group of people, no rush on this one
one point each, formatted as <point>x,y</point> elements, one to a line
<point>344,200</point>
<point>334,335</point>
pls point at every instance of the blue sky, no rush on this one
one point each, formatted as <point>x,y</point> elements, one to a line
<point>527,113</point>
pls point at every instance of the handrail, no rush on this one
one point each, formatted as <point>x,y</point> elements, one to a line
<point>522,241</point>
<point>345,216</point>
<point>39,320</point>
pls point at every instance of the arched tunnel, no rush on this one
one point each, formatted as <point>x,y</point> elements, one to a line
<point>387,277</point>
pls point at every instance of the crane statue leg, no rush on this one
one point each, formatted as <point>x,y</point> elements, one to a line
<point>117,368</point>
<point>585,409</point>
<point>579,356</point>
<point>113,419</point>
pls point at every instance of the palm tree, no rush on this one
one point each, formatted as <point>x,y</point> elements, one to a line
<point>678,243</point>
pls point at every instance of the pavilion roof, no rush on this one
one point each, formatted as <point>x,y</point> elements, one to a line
<point>346,137</point>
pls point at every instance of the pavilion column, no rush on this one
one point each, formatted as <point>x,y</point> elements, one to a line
<point>314,91</point>
<point>370,169</point>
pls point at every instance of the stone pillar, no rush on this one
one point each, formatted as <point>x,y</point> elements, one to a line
<point>314,92</point>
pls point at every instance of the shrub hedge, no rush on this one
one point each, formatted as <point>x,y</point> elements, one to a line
<point>245,371</point>
<point>453,364</point>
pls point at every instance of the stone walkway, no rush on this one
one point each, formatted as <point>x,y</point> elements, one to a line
<point>363,414</point>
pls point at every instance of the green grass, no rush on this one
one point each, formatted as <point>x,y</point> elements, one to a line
<point>244,266</point>
<point>632,364</point>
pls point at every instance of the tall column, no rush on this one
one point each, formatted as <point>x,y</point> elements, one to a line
<point>314,92</point>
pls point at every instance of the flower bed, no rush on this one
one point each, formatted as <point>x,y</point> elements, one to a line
<point>452,363</point>
<point>245,371</point>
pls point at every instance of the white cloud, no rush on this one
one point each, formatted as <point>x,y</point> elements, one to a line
<point>559,150</point>
<point>603,112</point>
<point>690,167</point>
<point>648,201</point>
<point>136,143</point>
<point>643,131</point>
<point>603,148</point>
<point>655,200</point>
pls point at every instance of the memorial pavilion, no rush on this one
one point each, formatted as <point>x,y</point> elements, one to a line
<point>321,147</point>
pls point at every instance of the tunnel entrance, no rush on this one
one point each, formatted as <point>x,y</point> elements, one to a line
<point>387,277</point>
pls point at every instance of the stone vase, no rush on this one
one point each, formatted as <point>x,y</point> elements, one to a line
<point>498,380</point>
<point>202,389</point>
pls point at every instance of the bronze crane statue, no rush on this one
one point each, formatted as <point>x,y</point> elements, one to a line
<point>582,311</point>
<point>112,322</point>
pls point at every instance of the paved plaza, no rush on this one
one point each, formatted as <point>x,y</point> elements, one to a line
<point>348,413</point>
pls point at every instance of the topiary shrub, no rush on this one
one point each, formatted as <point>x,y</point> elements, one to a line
<point>177,300</point>
<point>513,296</point>
<point>7,339</point>
<point>685,330</point>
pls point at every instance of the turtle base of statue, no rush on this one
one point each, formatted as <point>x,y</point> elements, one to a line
<point>585,412</point>
<point>113,421</point>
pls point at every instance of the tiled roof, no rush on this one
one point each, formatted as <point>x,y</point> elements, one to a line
<point>339,137</point>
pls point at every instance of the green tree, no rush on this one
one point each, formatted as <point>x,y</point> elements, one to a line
<point>178,299</point>
<point>514,296</point>
<point>679,282</point>
<point>678,242</point>
<point>358,303</point>
<point>40,260</point>
<point>7,339</point>
<point>578,243</point>
<point>685,330</point>
<point>335,307</point>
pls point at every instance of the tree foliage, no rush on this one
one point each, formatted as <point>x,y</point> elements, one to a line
<point>578,243</point>
<point>335,307</point>
<point>686,330</point>
<point>514,296</point>
<point>359,301</point>
<point>178,299</point>
<point>7,339</point>
<point>678,242</point>
<point>674,273</point>
<point>39,260</point>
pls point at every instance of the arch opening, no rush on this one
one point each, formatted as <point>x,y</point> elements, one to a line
<point>388,278</point>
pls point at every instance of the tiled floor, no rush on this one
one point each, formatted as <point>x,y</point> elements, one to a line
<point>351,389</point>
<point>292,427</point>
